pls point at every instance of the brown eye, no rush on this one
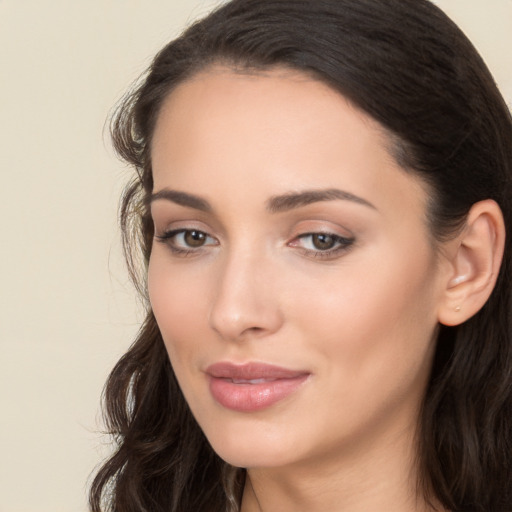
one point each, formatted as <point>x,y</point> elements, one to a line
<point>195,238</point>
<point>323,242</point>
<point>323,245</point>
<point>186,241</point>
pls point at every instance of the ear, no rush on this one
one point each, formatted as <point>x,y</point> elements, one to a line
<point>474,260</point>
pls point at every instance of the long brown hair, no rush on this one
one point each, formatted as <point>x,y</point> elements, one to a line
<point>408,66</point>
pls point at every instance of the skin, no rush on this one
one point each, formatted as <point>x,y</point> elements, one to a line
<point>360,321</point>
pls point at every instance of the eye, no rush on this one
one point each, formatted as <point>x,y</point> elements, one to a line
<point>323,245</point>
<point>321,241</point>
<point>186,240</point>
<point>193,238</point>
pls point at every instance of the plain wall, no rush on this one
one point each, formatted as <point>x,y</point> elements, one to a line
<point>67,309</point>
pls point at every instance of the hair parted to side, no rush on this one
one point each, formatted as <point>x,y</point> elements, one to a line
<point>405,64</point>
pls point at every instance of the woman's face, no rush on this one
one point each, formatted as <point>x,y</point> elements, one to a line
<point>292,273</point>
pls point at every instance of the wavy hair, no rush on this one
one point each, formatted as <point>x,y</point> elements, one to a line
<point>404,63</point>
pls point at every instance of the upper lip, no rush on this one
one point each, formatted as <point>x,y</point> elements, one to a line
<point>252,371</point>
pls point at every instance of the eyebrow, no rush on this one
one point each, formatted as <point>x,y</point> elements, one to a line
<point>182,198</point>
<point>294,200</point>
<point>275,204</point>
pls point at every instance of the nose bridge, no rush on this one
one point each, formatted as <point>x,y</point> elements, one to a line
<point>245,302</point>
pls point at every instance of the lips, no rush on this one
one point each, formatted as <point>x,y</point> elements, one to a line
<point>253,386</point>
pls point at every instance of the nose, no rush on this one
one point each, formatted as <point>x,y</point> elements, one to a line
<point>246,302</point>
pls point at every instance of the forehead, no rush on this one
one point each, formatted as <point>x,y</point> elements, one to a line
<point>280,129</point>
<point>220,91</point>
<point>295,92</point>
<point>271,109</point>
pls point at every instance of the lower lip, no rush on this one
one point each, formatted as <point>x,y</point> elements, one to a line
<point>253,397</point>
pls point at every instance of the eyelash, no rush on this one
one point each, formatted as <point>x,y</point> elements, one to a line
<point>341,244</point>
<point>169,237</point>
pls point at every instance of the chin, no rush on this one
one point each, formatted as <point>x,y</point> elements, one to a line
<point>252,447</point>
<point>257,457</point>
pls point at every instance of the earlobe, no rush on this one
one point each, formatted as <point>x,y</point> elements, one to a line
<point>475,258</point>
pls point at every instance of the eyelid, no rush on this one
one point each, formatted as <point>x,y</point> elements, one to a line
<point>170,233</point>
<point>342,245</point>
<point>169,236</point>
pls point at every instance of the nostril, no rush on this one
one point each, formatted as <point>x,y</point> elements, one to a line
<point>254,330</point>
<point>245,303</point>
<point>252,323</point>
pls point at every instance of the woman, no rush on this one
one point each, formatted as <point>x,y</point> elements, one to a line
<point>323,201</point>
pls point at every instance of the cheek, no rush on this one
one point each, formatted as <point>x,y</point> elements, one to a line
<point>177,301</point>
<point>371,343</point>
<point>376,320</point>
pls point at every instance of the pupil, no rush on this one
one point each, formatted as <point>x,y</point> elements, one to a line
<point>195,238</point>
<point>323,242</point>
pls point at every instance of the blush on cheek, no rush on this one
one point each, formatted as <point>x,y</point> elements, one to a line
<point>360,323</point>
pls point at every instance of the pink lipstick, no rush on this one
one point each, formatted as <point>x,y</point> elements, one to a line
<point>253,386</point>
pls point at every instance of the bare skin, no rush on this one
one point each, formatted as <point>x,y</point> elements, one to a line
<point>345,287</point>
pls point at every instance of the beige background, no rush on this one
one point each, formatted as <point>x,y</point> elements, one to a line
<point>67,308</point>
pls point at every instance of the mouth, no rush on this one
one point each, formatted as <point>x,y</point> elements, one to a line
<point>254,386</point>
